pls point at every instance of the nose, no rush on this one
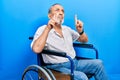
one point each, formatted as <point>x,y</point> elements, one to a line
<point>61,13</point>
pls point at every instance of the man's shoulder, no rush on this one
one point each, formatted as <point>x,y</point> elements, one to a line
<point>41,27</point>
<point>65,27</point>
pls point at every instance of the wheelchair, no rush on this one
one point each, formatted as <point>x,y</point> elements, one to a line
<point>40,72</point>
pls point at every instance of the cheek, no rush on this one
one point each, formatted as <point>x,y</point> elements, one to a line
<point>50,16</point>
<point>63,14</point>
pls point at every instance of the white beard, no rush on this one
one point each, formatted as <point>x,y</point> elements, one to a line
<point>62,21</point>
<point>58,21</point>
<point>57,18</point>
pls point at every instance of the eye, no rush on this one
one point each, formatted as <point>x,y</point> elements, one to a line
<point>59,10</point>
<point>62,10</point>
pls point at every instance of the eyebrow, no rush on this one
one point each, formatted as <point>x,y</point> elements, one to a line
<point>58,9</point>
<point>63,10</point>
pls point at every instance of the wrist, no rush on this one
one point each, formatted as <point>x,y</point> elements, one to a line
<point>49,27</point>
<point>80,33</point>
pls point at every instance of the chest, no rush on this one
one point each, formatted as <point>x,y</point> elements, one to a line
<point>54,39</point>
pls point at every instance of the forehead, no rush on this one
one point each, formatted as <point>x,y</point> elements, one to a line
<point>57,7</point>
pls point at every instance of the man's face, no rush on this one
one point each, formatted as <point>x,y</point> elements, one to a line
<point>57,11</point>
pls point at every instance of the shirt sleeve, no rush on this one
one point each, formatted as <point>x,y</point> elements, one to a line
<point>75,34</point>
<point>38,33</point>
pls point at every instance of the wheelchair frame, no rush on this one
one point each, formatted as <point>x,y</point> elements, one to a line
<point>46,71</point>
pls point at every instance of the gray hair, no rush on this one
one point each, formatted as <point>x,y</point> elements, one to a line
<point>49,11</point>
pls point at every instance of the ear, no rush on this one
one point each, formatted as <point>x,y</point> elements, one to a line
<point>49,16</point>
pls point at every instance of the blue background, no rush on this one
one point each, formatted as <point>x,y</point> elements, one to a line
<point>19,19</point>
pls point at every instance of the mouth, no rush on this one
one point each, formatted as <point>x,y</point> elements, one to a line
<point>58,15</point>
<point>58,18</point>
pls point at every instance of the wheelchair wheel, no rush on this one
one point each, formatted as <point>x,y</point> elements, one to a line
<point>35,72</point>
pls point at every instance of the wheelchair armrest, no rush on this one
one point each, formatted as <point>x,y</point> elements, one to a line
<point>52,52</point>
<point>84,45</point>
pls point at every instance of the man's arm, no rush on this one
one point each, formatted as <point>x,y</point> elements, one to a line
<point>40,42</point>
<point>83,37</point>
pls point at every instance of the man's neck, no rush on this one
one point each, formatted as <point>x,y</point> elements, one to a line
<point>58,27</point>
